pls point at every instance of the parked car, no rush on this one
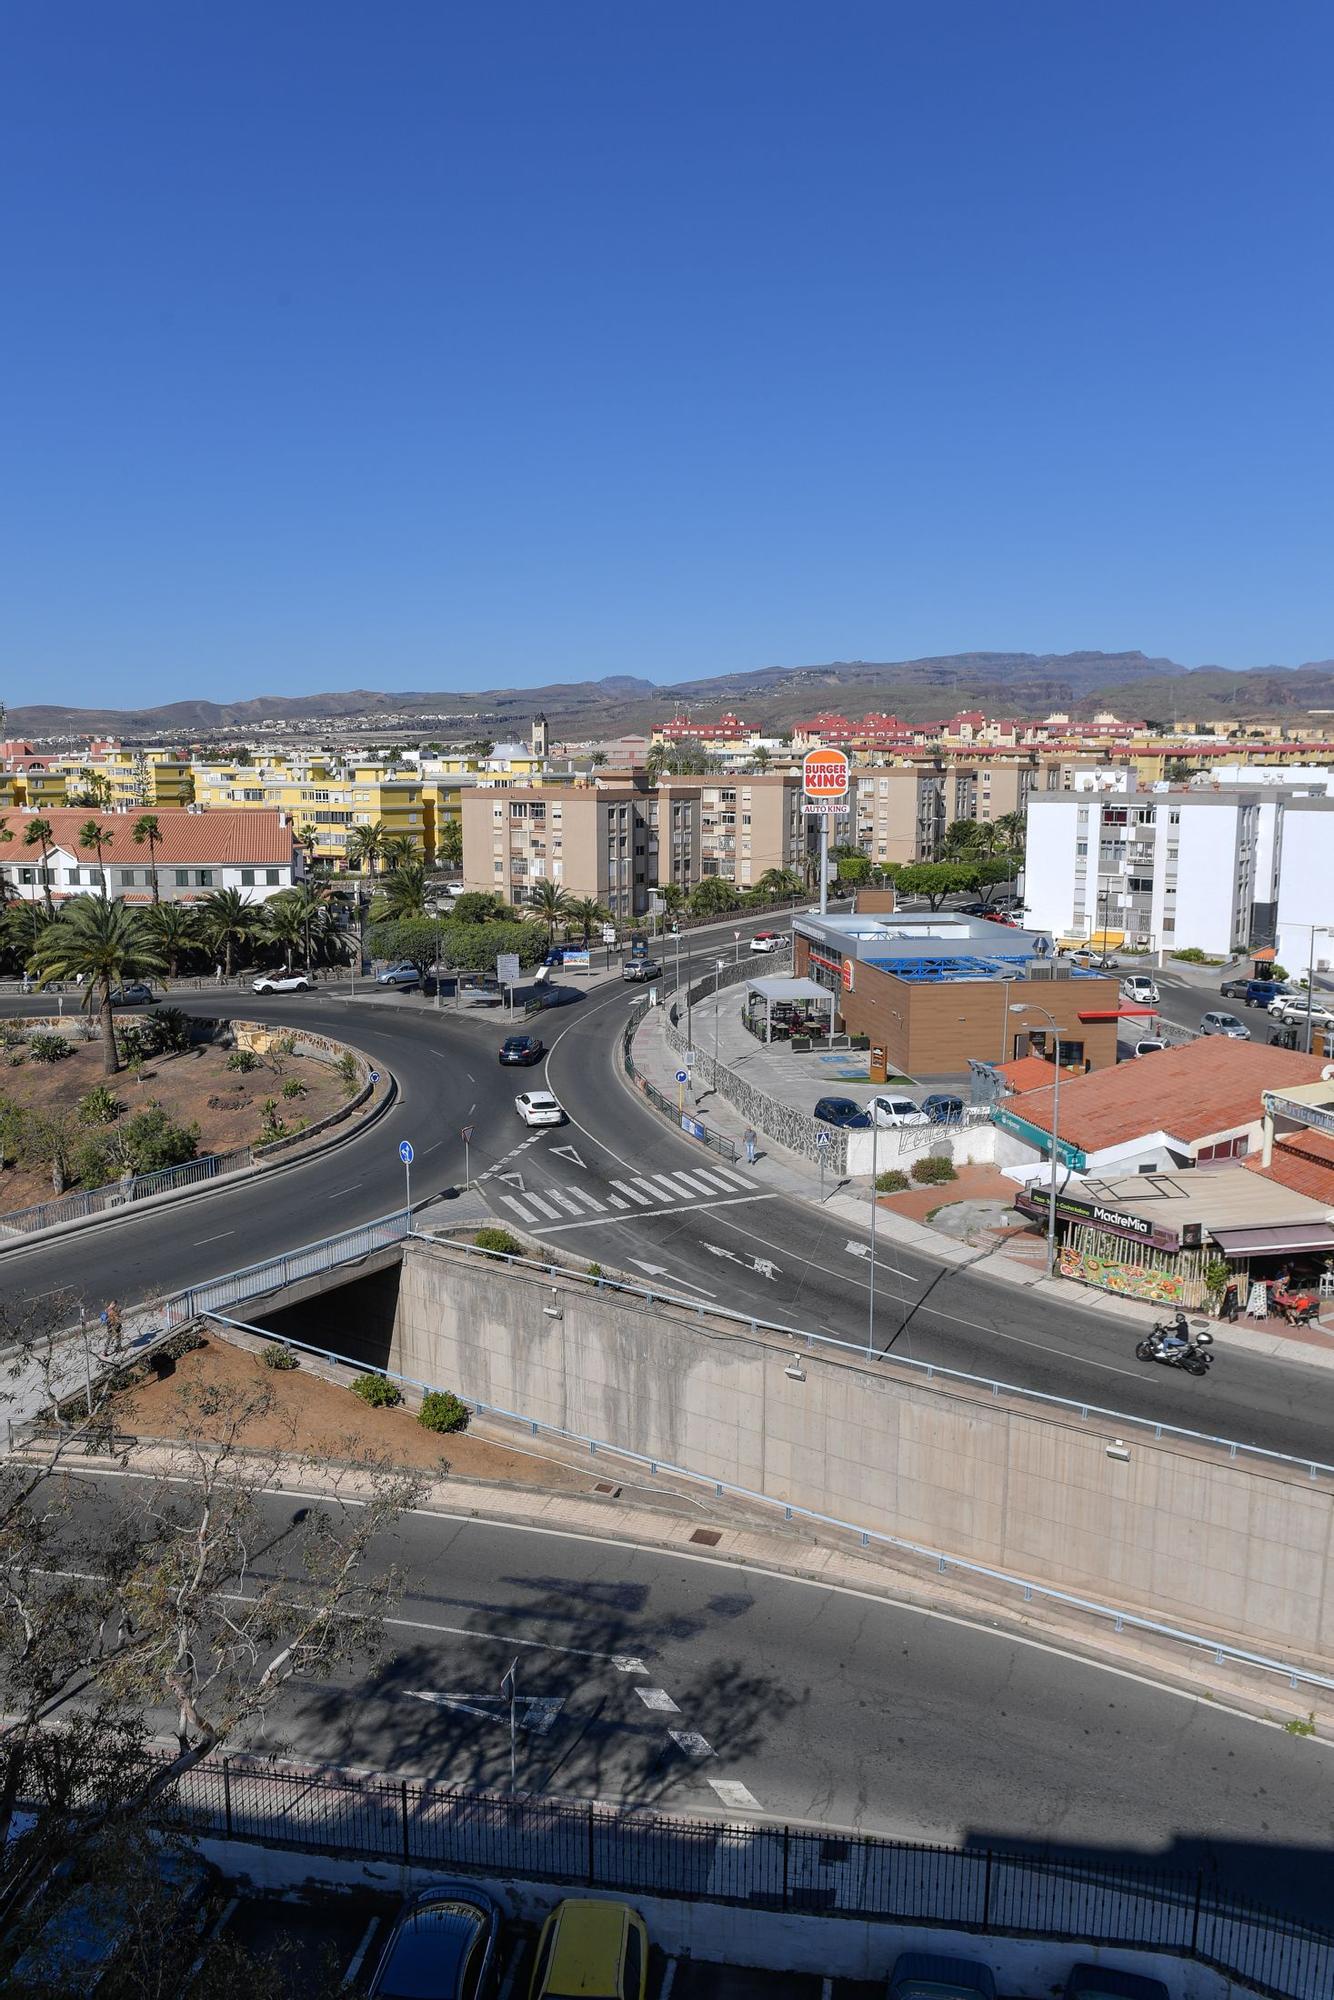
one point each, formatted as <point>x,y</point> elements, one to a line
<point>766,941</point>
<point>638,970</point>
<point>843,1112</point>
<point>943,1109</point>
<point>1095,961</point>
<point>538,1107</point>
<point>87,1942</point>
<point>1293,1013</point>
<point>1140,990</point>
<point>593,1948</point>
<point>896,1111</point>
<point>443,1945</point>
<point>1103,1982</point>
<point>399,975</point>
<point>1263,992</point>
<point>931,1975</point>
<point>134,994</point>
<point>1225,1024</point>
<point>280,982</point>
<point>522,1049</point>
<point>1149,1046</point>
<point>1234,989</point>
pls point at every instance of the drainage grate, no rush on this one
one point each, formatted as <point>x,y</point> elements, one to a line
<point>605,1486</point>
<point>710,1537</point>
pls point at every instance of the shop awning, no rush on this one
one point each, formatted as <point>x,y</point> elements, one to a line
<point>1279,1240</point>
<point>1116,1013</point>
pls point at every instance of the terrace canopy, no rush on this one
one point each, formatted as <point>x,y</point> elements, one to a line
<point>788,1006</point>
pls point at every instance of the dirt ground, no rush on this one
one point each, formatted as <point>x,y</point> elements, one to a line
<point>973,1183</point>
<point>182,1085</point>
<point>317,1418</point>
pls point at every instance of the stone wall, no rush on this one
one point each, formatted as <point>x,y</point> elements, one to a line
<point>1193,1538</point>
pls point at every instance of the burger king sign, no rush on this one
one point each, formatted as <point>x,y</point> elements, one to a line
<point>824,779</point>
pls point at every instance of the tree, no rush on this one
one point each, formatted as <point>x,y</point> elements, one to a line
<point>935,880</point>
<point>284,922</point>
<point>227,919</point>
<point>38,833</point>
<point>480,747</point>
<point>92,788</point>
<point>713,897</point>
<point>146,828</point>
<point>309,905</point>
<point>1013,829</point>
<point>853,869</point>
<point>93,835</point>
<point>414,940</point>
<point>402,894</point>
<point>672,897</point>
<point>549,904</point>
<point>449,844</point>
<point>478,906</point>
<point>598,759</point>
<point>687,759</point>
<point>987,876</point>
<point>475,947</point>
<point>762,757</point>
<point>586,912</point>
<point>175,930</point>
<point>399,849</point>
<point>104,943</point>
<point>963,840</point>
<point>365,845</point>
<point>780,883</point>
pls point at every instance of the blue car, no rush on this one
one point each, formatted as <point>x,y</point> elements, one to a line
<point>443,1945</point>
<point>930,1975</point>
<point>841,1111</point>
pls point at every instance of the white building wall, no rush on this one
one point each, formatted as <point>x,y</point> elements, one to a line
<point>1052,825</point>
<point>1306,889</point>
<point>1215,853</point>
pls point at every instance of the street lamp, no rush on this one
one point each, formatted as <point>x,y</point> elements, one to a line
<point>1030,1007</point>
<point>718,967</point>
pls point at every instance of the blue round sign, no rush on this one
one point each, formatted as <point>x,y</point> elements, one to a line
<point>405,1152</point>
<point>683,1076</point>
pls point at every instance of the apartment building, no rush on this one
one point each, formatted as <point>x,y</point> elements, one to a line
<point>1164,869</point>
<point>591,841</point>
<point>899,814</point>
<point>324,799</point>
<point>198,852</point>
<point>1304,927</point>
<point>749,824</point>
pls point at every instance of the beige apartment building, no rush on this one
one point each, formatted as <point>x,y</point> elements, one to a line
<point>902,810</point>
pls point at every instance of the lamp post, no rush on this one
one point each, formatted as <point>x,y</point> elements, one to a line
<point>1030,1007</point>
<point>718,965</point>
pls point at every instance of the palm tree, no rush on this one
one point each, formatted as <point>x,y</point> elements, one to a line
<point>366,845</point>
<point>399,849</point>
<point>780,882</point>
<point>587,912</point>
<point>227,920</point>
<point>762,757</point>
<point>104,943</point>
<point>402,894</point>
<point>308,905</point>
<point>174,930</point>
<point>549,904</point>
<point>671,895</point>
<point>146,828</point>
<point>93,835</point>
<point>38,833</point>
<point>23,926</point>
<point>285,923</point>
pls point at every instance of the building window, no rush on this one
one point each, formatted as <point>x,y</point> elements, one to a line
<point>206,878</point>
<point>182,878</point>
<point>272,877</point>
<point>247,878</point>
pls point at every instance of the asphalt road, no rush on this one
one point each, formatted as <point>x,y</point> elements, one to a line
<point>811,1705</point>
<point>729,1241</point>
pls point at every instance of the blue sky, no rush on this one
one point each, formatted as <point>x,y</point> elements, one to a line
<point>442,346</point>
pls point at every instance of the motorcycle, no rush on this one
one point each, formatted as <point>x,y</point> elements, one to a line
<point>1194,1356</point>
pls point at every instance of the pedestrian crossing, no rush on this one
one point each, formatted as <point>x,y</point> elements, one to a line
<point>644,1194</point>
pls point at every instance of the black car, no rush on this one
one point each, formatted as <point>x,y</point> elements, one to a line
<point>843,1112</point>
<point>639,969</point>
<point>136,994</point>
<point>523,1049</point>
<point>444,1944</point>
<point>942,1109</point>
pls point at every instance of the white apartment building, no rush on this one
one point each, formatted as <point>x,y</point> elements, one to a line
<point>1166,869</point>
<point>1305,918</point>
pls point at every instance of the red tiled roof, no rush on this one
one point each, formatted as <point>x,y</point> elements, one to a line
<point>1026,1073</point>
<point>1211,1085</point>
<point>218,836</point>
<point>1304,1162</point>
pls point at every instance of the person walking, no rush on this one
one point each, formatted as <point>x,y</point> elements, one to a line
<point>750,1145</point>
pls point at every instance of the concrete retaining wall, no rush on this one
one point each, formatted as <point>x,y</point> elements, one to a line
<point>1195,1539</point>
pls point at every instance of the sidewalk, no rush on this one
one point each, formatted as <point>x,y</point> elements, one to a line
<point>850,1201</point>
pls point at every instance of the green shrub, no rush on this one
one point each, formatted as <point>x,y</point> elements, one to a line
<point>243,1059</point>
<point>375,1390</point>
<point>281,1356</point>
<point>595,1270</point>
<point>45,1048</point>
<point>442,1411</point>
<point>346,1068</point>
<point>99,1106</point>
<point>499,1242</point>
<point>931,1172</point>
<point>184,1342</point>
<point>92,1162</point>
<point>270,1124</point>
<point>168,1031</point>
<point>152,1140</point>
<point>892,1181</point>
<point>294,1087</point>
<point>1279,972</point>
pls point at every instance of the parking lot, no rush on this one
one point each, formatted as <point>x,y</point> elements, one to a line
<point>320,1944</point>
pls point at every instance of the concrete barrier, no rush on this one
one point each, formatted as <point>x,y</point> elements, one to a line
<point>1180,1534</point>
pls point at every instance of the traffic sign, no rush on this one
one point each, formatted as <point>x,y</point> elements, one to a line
<point>405,1152</point>
<point>375,1076</point>
<point>683,1076</point>
<point>467,1135</point>
<point>822,1142</point>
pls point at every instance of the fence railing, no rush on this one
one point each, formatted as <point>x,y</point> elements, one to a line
<point>123,1193</point>
<point>694,1128</point>
<point>412,1822</point>
<point>274,1273</point>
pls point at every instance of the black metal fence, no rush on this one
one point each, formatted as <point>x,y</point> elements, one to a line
<point>762,1867</point>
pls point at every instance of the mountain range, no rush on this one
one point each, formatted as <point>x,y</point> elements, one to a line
<point>1134,685</point>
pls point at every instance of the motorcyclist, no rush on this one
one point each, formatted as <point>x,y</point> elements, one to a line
<point>1174,1334</point>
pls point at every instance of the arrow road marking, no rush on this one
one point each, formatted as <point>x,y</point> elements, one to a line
<point>863,1250</point>
<point>568,1153</point>
<point>857,1249</point>
<point>533,1712</point>
<point>764,1267</point>
<point>661,1271</point>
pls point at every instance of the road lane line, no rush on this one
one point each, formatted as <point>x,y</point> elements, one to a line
<point>518,1207</point>
<point>737,1201</point>
<point>200,1241</point>
<point>628,1187</point>
<point>616,1202</point>
<point>355,1962</point>
<point>691,1743</point>
<point>732,1793</point>
<point>590,1200</point>
<point>658,1698</point>
<point>347,1190</point>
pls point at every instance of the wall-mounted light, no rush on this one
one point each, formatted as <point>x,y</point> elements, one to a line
<point>555,1310</point>
<point>1119,1451</point>
<point>794,1370</point>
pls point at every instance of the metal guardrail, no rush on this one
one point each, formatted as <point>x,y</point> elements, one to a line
<point>627,1850</point>
<point>274,1273</point>
<point>121,1194</point>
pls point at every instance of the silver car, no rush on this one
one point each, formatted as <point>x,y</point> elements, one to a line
<point>1225,1024</point>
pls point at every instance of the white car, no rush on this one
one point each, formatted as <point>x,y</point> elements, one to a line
<point>280,982</point>
<point>1140,990</point>
<point>1150,1046</point>
<point>766,941</point>
<point>538,1107</point>
<point>1292,1013</point>
<point>897,1111</point>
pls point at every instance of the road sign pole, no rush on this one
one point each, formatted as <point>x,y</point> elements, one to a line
<point>824,864</point>
<point>407,1178</point>
<point>467,1159</point>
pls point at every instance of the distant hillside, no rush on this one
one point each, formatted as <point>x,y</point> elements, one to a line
<point>1019,684</point>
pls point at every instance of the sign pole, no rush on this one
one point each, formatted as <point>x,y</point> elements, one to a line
<point>467,1159</point>
<point>510,1678</point>
<point>405,1153</point>
<point>824,864</point>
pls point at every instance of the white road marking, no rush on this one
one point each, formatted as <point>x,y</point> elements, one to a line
<point>568,1153</point>
<point>515,1179</point>
<point>518,1207</point>
<point>544,1206</point>
<point>534,1712</point>
<point>628,1187</point>
<point>358,1956</point>
<point>658,1698</point>
<point>590,1201</point>
<point>690,1181</point>
<point>691,1743</point>
<point>827,1988</point>
<point>570,1207</point>
<point>511,1973</point>
<point>591,1222</point>
<point>626,1663</point>
<point>732,1179</point>
<point>668,1980</point>
<point>733,1793</point>
<point>616,1202</point>
<point>201,1240</point>
<point>659,1185</point>
<point>714,1180</point>
<point>347,1190</point>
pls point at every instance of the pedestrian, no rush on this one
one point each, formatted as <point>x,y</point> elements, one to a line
<point>1231,1305</point>
<point>217,975</point>
<point>750,1145</point>
<point>111,1319</point>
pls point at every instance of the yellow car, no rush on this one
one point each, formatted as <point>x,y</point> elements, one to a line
<point>591,1951</point>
